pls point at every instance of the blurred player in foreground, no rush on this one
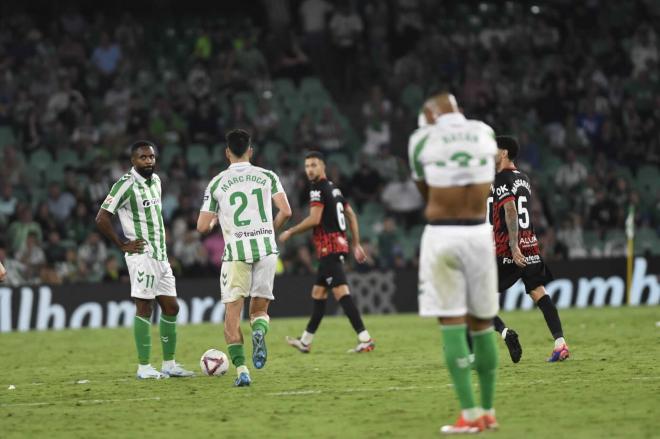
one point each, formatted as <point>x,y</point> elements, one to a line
<point>452,161</point>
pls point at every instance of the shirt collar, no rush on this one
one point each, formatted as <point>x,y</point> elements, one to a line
<point>240,164</point>
<point>140,178</point>
<point>449,118</point>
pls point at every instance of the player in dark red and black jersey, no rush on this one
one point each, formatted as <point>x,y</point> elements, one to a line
<point>517,248</point>
<point>329,214</point>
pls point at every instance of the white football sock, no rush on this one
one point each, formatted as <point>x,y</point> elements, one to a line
<point>168,364</point>
<point>364,336</point>
<point>307,338</point>
<point>241,369</point>
<point>471,414</point>
<point>143,367</point>
<point>560,341</point>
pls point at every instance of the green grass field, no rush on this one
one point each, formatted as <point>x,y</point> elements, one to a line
<point>609,388</point>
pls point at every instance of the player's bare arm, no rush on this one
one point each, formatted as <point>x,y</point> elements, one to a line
<point>358,252</point>
<point>283,210</point>
<point>104,224</point>
<point>311,221</point>
<point>511,219</point>
<point>3,272</point>
<point>206,221</point>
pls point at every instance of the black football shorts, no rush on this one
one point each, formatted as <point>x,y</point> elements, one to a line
<point>330,273</point>
<point>533,275</point>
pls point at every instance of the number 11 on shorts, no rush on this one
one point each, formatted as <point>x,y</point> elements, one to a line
<point>148,277</point>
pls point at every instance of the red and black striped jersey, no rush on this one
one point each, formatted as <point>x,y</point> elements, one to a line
<point>512,185</point>
<point>330,235</point>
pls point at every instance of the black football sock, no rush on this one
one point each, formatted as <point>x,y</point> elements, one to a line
<point>499,324</point>
<point>317,315</point>
<point>352,313</point>
<point>549,310</point>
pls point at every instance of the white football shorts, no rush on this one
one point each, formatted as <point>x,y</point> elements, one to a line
<point>458,272</point>
<point>150,277</point>
<point>240,279</point>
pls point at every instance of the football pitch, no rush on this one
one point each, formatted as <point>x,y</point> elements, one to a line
<point>81,383</point>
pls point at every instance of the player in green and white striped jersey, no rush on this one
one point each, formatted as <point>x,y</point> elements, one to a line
<point>241,198</point>
<point>136,198</point>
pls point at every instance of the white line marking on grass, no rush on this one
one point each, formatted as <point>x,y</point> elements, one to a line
<point>82,401</point>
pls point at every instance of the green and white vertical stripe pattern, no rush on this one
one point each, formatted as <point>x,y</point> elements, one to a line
<point>241,196</point>
<point>137,202</point>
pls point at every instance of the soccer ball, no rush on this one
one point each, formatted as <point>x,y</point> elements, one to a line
<point>214,363</point>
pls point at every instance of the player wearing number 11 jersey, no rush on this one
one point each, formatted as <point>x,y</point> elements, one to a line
<point>328,216</point>
<point>517,248</point>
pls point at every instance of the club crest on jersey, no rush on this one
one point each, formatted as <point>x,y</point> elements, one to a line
<point>151,202</point>
<point>328,280</point>
<point>336,192</point>
<point>109,199</point>
<point>501,189</point>
<point>315,195</point>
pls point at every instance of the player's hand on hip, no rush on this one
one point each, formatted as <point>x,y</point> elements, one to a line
<point>518,257</point>
<point>3,273</point>
<point>284,236</point>
<point>359,254</point>
<point>136,246</point>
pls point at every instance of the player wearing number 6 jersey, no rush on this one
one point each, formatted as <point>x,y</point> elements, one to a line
<point>517,248</point>
<point>328,215</point>
<point>241,198</point>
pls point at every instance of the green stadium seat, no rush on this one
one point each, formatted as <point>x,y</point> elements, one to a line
<point>167,154</point>
<point>646,239</point>
<point>67,157</point>
<point>41,160</point>
<point>6,136</point>
<point>198,157</point>
<point>283,87</point>
<point>412,98</point>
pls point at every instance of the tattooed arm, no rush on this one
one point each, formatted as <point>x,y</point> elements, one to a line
<point>511,219</point>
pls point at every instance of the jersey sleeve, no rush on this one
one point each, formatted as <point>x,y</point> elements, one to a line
<point>118,195</point>
<point>503,186</point>
<point>210,203</point>
<point>316,195</point>
<point>275,184</point>
<point>415,147</point>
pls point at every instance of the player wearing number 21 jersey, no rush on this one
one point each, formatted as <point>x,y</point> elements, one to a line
<point>517,248</point>
<point>329,215</point>
<point>242,197</point>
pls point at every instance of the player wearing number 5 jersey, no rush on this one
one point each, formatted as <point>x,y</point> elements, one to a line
<point>329,215</point>
<point>517,248</point>
<point>135,198</point>
<point>242,197</point>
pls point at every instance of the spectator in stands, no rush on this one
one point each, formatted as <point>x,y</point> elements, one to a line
<point>346,32</point>
<point>191,253</point>
<point>113,272</point>
<point>571,173</point>
<point>23,225</point>
<point>305,133</point>
<point>12,166</point>
<point>91,257</point>
<point>54,250</point>
<point>86,132</point>
<point>32,257</point>
<point>314,18</point>
<point>603,213</point>
<point>251,63</point>
<point>66,105</point>
<point>265,122</point>
<point>329,133</point>
<point>106,56</point>
<point>571,236</point>
<point>402,200</point>
<point>119,97</point>
<point>204,123</point>
<point>389,248</point>
<point>8,203</point>
<point>365,183</point>
<point>60,203</point>
<point>14,269</point>
<point>70,269</point>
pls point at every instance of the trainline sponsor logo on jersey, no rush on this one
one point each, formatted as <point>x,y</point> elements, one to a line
<point>253,233</point>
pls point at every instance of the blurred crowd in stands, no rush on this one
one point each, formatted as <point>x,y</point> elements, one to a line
<point>577,82</point>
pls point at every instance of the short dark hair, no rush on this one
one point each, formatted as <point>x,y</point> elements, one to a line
<point>238,141</point>
<point>141,143</point>
<point>510,144</point>
<point>315,155</point>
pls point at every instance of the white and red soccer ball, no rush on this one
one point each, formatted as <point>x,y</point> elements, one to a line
<point>214,363</point>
